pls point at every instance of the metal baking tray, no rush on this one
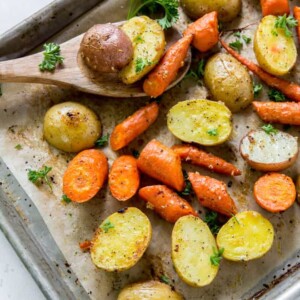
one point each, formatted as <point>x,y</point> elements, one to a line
<point>20,220</point>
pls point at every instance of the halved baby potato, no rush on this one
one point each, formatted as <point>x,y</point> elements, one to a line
<point>275,52</point>
<point>192,246</point>
<point>148,40</point>
<point>200,121</point>
<point>247,235</point>
<point>121,240</point>
<point>269,152</point>
<point>149,290</point>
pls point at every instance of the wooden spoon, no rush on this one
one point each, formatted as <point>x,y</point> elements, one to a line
<point>75,74</point>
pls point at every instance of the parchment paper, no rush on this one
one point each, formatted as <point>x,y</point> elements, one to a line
<point>22,108</point>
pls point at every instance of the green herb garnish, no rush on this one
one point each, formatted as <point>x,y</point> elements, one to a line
<point>237,45</point>
<point>102,141</point>
<point>170,8</point>
<point>135,153</point>
<point>140,64</point>
<point>19,147</point>
<point>163,278</point>
<point>211,220</point>
<point>107,225</point>
<point>65,199</point>
<point>276,96</point>
<point>237,34</point>
<point>257,88</point>
<point>286,23</point>
<point>52,57</point>
<point>268,128</point>
<point>138,39</point>
<point>216,258</point>
<point>188,186</point>
<point>213,132</point>
<point>42,174</point>
<point>246,39</point>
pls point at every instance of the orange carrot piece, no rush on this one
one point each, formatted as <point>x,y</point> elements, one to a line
<point>290,89</point>
<point>133,126</point>
<point>212,194</point>
<point>166,202</point>
<point>278,112</point>
<point>162,163</point>
<point>275,192</point>
<point>205,32</point>
<point>85,175</point>
<point>275,7</point>
<point>124,178</point>
<point>165,72</point>
<point>85,246</point>
<point>201,158</point>
<point>297,17</point>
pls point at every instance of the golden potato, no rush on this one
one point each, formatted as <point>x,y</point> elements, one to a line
<point>200,121</point>
<point>228,81</point>
<point>275,52</point>
<point>71,127</point>
<point>227,9</point>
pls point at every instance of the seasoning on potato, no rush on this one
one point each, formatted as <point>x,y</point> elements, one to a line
<point>105,48</point>
<point>246,236</point>
<point>228,81</point>
<point>121,240</point>
<point>71,127</point>
<point>201,121</point>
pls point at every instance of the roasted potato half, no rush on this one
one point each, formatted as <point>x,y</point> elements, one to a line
<point>71,127</point>
<point>200,121</point>
<point>228,81</point>
<point>269,152</point>
<point>121,240</point>
<point>227,9</point>
<point>192,246</point>
<point>247,235</point>
<point>149,290</point>
<point>148,40</point>
<point>275,52</point>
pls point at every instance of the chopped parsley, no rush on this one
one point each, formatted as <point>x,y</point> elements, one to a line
<point>102,141</point>
<point>188,186</point>
<point>198,73</point>
<point>211,220</point>
<point>140,64</point>
<point>107,225</point>
<point>163,278</point>
<point>257,88</point>
<point>42,174</point>
<point>138,39</point>
<point>52,57</point>
<point>237,34</point>
<point>286,23</point>
<point>268,128</point>
<point>19,147</point>
<point>135,153</point>
<point>276,95</point>
<point>213,132</point>
<point>246,39</point>
<point>65,199</point>
<point>237,45</point>
<point>216,258</point>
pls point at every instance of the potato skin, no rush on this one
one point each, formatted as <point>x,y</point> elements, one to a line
<point>71,127</point>
<point>227,9</point>
<point>228,81</point>
<point>105,48</point>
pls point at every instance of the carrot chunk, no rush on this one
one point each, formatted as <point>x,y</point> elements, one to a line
<point>275,7</point>
<point>166,202</point>
<point>297,17</point>
<point>212,194</point>
<point>124,179</point>
<point>275,192</point>
<point>133,126</point>
<point>162,163</point>
<point>85,246</point>
<point>85,175</point>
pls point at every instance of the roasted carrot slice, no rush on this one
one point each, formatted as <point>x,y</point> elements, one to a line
<point>124,178</point>
<point>290,89</point>
<point>275,7</point>
<point>212,194</point>
<point>85,175</point>
<point>205,32</point>
<point>165,72</point>
<point>275,192</point>
<point>166,202</point>
<point>133,126</point>
<point>278,112</point>
<point>161,163</point>
<point>297,17</point>
<point>85,246</point>
<point>201,158</point>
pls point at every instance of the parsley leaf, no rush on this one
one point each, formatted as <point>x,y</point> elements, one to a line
<point>237,45</point>
<point>65,199</point>
<point>276,96</point>
<point>163,278</point>
<point>257,88</point>
<point>107,225</point>
<point>268,128</point>
<point>286,23</point>
<point>216,258</point>
<point>140,64</point>
<point>138,39</point>
<point>246,39</point>
<point>102,141</point>
<point>170,8</point>
<point>237,34</point>
<point>213,132</point>
<point>19,147</point>
<point>199,72</point>
<point>188,186</point>
<point>211,220</point>
<point>42,174</point>
<point>52,57</point>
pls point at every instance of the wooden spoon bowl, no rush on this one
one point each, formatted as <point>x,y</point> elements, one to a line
<point>73,73</point>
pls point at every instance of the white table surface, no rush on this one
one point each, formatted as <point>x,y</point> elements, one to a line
<point>15,281</point>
